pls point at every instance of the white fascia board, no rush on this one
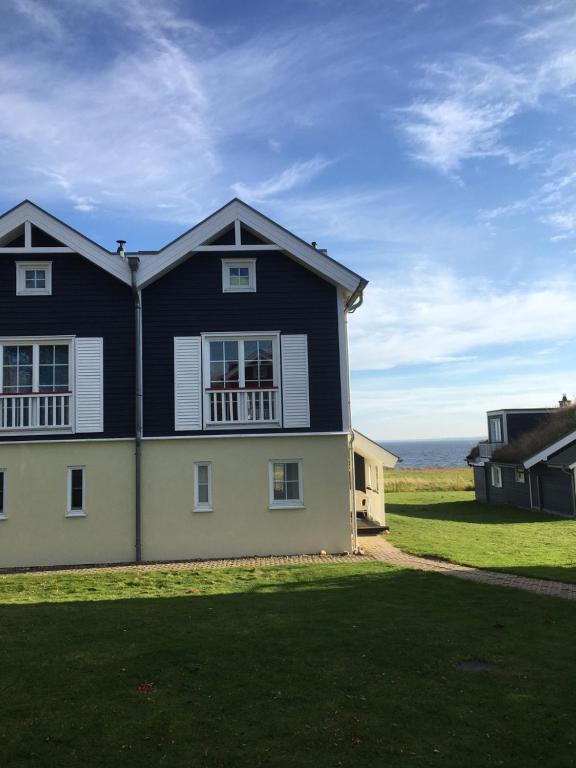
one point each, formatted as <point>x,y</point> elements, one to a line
<point>313,259</point>
<point>27,211</point>
<point>369,449</point>
<point>549,450</point>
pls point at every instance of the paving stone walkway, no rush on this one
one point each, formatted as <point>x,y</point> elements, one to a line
<point>381,549</point>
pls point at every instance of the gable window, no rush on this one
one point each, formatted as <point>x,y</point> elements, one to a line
<point>203,486</point>
<point>2,494</point>
<point>238,276</point>
<point>519,475</point>
<point>286,488</point>
<point>33,279</point>
<point>495,429</point>
<point>34,385</point>
<point>241,379</point>
<point>76,492</point>
<point>496,476</point>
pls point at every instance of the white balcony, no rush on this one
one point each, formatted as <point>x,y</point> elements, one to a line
<point>21,412</point>
<point>487,449</point>
<point>242,406</point>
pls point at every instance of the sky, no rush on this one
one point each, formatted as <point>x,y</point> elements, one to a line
<point>428,145</point>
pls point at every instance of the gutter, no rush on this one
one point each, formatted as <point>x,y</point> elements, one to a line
<point>134,264</point>
<point>357,299</point>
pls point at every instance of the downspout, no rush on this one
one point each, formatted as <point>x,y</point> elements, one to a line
<point>134,263</point>
<point>352,305</point>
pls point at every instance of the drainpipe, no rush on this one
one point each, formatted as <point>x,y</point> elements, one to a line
<point>134,263</point>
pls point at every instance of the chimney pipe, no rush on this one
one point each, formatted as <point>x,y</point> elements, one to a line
<point>120,250</point>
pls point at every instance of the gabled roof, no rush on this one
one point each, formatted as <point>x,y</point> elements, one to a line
<point>550,450</point>
<point>373,450</point>
<point>564,458</point>
<point>153,267</point>
<point>28,211</point>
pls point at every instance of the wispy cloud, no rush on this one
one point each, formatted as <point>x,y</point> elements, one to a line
<point>295,175</point>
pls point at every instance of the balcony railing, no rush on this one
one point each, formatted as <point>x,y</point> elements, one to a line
<point>35,411</point>
<point>242,406</point>
<point>487,449</point>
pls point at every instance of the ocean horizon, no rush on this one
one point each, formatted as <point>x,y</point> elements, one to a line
<point>439,452</point>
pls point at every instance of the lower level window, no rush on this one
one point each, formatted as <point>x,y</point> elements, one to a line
<point>2,493</point>
<point>519,476</point>
<point>496,476</point>
<point>76,491</point>
<point>286,483</point>
<point>203,486</point>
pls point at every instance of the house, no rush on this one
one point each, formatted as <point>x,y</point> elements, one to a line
<point>191,402</point>
<point>529,459</point>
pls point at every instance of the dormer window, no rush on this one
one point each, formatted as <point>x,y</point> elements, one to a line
<point>33,279</point>
<point>238,276</point>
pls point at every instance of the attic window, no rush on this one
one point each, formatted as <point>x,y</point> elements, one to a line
<point>238,275</point>
<point>33,278</point>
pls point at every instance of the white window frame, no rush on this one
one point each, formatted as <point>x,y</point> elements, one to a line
<point>495,476</point>
<point>495,428</point>
<point>519,475</point>
<point>203,506</point>
<point>286,503</point>
<point>274,337</point>
<point>3,473</point>
<point>75,512</point>
<point>250,264</point>
<point>22,267</point>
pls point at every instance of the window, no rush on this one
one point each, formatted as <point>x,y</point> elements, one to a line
<point>238,276</point>
<point>33,279</point>
<point>35,368</point>
<point>203,486</point>
<point>286,483</point>
<point>76,492</point>
<point>496,476</point>
<point>241,379</point>
<point>2,494</point>
<point>519,475</point>
<point>495,429</point>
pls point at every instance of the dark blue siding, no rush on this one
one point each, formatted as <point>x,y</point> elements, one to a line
<point>188,301</point>
<point>480,484</point>
<point>555,490</point>
<point>85,301</point>
<point>518,423</point>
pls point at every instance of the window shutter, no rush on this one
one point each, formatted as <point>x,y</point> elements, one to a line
<point>187,382</point>
<point>89,388</point>
<point>295,399</point>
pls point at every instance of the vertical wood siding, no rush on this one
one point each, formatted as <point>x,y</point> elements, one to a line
<point>188,301</point>
<point>85,301</point>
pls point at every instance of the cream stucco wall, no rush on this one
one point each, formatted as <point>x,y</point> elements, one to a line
<point>36,530</point>
<point>241,522</point>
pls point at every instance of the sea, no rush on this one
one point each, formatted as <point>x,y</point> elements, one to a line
<point>446,452</point>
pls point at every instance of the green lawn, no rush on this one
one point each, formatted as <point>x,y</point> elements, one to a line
<point>453,526</point>
<point>329,665</point>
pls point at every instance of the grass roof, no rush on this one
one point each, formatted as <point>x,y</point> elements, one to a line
<point>553,427</point>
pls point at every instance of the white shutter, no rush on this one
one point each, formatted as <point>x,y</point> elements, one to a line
<point>89,387</point>
<point>295,399</point>
<point>187,382</point>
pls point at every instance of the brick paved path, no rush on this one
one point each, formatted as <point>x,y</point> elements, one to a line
<point>381,549</point>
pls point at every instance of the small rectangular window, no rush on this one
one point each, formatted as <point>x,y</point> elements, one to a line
<point>76,492</point>
<point>496,476</point>
<point>33,279</point>
<point>519,475</point>
<point>495,429</point>
<point>286,483</point>
<point>238,276</point>
<point>203,486</point>
<point>2,494</point>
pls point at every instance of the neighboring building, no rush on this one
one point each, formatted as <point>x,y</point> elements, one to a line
<point>186,403</point>
<point>529,459</point>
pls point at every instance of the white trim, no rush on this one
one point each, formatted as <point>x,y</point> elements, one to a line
<point>69,511</point>
<point>203,506</point>
<point>235,248</point>
<point>22,267</point>
<point>75,440</point>
<point>287,503</point>
<point>27,211</point>
<point>37,249</point>
<point>249,264</point>
<point>27,234</point>
<point>549,450</point>
<point>179,250</point>
<point>495,476</point>
<point>3,473</point>
<point>237,233</point>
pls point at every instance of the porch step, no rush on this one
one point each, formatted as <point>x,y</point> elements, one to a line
<point>367,527</point>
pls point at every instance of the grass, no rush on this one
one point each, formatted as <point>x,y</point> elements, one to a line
<point>429,479</point>
<point>330,665</point>
<point>453,526</point>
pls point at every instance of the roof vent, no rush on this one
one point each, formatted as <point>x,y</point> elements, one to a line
<point>564,402</point>
<point>120,250</point>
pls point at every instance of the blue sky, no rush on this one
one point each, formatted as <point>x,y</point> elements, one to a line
<point>428,145</point>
